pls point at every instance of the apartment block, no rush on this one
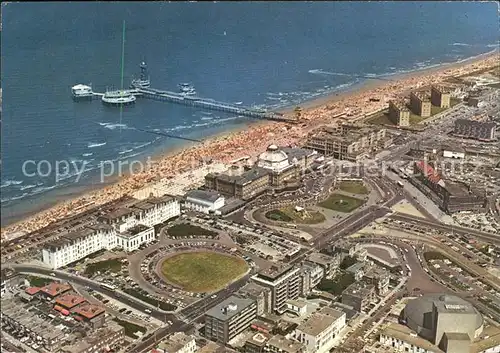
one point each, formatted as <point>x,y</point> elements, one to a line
<point>284,282</point>
<point>226,320</point>
<point>440,96</point>
<point>358,295</point>
<point>399,113</point>
<point>420,103</point>
<point>319,331</point>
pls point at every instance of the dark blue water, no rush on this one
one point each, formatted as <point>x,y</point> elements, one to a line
<point>261,54</point>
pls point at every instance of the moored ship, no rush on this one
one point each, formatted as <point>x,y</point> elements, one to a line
<point>187,89</point>
<point>82,92</point>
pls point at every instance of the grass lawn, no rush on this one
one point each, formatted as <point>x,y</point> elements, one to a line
<point>203,271</point>
<point>152,301</point>
<point>186,229</point>
<point>288,214</point>
<point>278,215</point>
<point>130,328</point>
<point>38,281</point>
<point>112,265</point>
<point>341,203</point>
<point>434,255</point>
<point>353,187</point>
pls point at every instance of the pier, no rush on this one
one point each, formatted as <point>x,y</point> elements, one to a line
<point>140,89</point>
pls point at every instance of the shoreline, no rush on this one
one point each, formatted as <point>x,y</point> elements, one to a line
<point>250,138</point>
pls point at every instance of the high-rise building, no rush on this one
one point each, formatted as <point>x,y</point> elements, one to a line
<point>440,96</point>
<point>399,113</point>
<point>420,104</point>
<point>226,320</point>
<point>284,282</point>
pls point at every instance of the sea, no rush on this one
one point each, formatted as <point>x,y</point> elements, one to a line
<point>260,54</point>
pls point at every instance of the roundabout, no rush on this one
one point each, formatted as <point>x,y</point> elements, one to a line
<point>201,270</point>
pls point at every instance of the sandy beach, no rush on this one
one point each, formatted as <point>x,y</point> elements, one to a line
<point>252,140</point>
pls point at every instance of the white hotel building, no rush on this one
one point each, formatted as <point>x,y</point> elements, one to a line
<point>319,332</point>
<point>126,228</point>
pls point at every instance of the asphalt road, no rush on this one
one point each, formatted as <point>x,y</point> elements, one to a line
<point>491,238</point>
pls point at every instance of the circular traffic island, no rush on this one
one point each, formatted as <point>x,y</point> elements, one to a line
<point>202,271</point>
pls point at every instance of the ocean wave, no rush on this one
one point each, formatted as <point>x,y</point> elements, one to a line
<point>126,151</point>
<point>113,126</point>
<point>87,154</point>
<point>207,118</point>
<point>13,198</point>
<point>26,187</point>
<point>95,144</point>
<point>8,183</point>
<point>493,45</point>
<point>461,44</point>
<point>323,72</point>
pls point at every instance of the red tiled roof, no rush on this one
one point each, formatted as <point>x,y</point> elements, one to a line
<point>428,171</point>
<point>69,300</point>
<point>88,311</point>
<point>32,290</point>
<point>55,288</point>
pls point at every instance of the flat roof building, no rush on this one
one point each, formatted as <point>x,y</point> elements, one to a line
<point>226,320</point>
<point>204,201</point>
<point>358,295</point>
<point>284,282</point>
<point>420,103</point>
<point>319,331</point>
<point>399,113</point>
<point>479,130</point>
<point>347,142</point>
<point>440,96</point>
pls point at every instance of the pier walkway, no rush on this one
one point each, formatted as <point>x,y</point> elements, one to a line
<point>203,103</point>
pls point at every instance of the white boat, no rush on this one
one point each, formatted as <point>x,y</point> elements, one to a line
<point>118,98</point>
<point>82,92</point>
<point>187,89</point>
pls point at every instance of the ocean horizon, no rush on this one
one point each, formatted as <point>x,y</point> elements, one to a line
<point>264,55</point>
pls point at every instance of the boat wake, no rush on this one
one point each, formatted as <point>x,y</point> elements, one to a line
<point>96,144</point>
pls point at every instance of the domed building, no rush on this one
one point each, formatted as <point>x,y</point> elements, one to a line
<point>273,159</point>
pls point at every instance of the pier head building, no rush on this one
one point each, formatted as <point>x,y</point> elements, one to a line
<point>275,169</point>
<point>399,113</point>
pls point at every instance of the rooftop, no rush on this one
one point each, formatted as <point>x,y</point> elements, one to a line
<point>284,344</point>
<point>229,308</point>
<point>476,123</point>
<point>321,259</point>
<point>53,289</point>
<point>359,288</point>
<point>88,311</point>
<point>399,104</point>
<point>259,339</point>
<point>405,334</point>
<point>205,195</point>
<point>176,342</point>
<point>133,231</point>
<point>274,272</point>
<point>69,300</point>
<point>320,321</point>
<point>246,177</point>
<point>355,267</point>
